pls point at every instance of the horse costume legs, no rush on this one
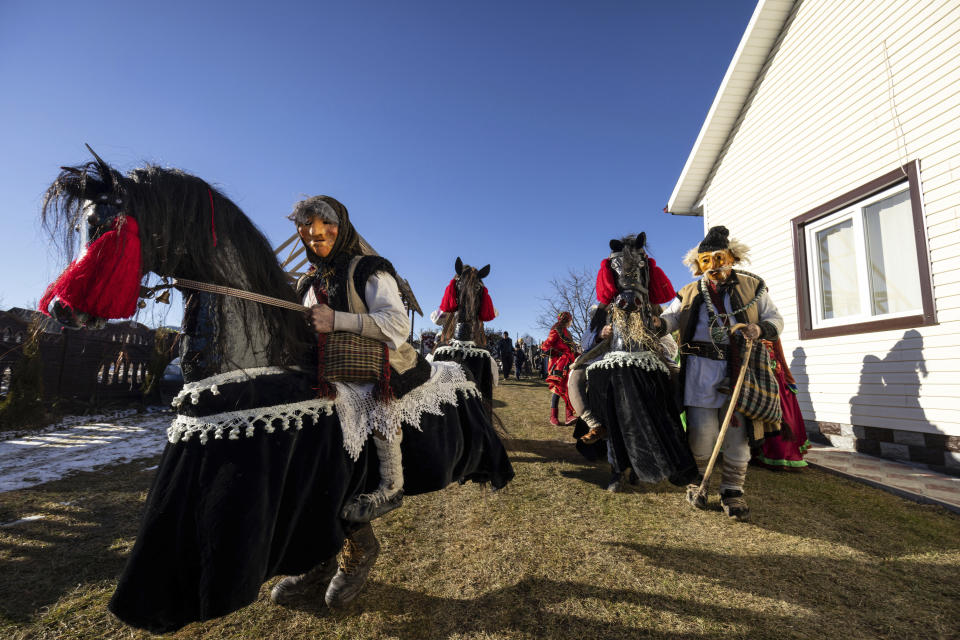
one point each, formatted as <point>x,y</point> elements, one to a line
<point>577,388</point>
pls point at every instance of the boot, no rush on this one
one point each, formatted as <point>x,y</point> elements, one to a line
<point>311,584</point>
<point>616,482</point>
<point>734,505</point>
<point>595,434</point>
<point>571,414</point>
<point>731,491</point>
<point>554,420</point>
<point>389,495</point>
<point>359,554</point>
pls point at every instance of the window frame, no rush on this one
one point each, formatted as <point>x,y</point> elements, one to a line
<point>908,174</point>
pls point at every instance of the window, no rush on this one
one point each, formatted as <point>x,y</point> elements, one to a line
<point>861,260</point>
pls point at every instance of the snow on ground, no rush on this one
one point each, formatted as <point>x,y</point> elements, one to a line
<point>81,444</point>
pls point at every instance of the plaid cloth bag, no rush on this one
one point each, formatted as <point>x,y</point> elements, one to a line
<point>760,395</point>
<point>350,357</point>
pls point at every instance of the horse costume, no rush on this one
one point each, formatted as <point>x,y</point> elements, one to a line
<point>629,387</point>
<point>465,306</point>
<point>258,469</point>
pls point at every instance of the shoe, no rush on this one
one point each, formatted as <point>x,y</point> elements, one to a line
<point>595,434</point>
<point>359,554</point>
<point>313,583</point>
<point>554,420</point>
<point>695,498</point>
<point>734,505</point>
<point>369,506</point>
<point>616,482</point>
<point>571,414</point>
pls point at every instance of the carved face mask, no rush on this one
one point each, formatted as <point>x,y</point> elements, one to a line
<point>716,265</point>
<point>319,234</point>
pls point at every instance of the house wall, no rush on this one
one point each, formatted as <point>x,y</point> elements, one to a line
<point>820,123</point>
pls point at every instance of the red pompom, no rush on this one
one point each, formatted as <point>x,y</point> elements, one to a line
<point>606,283</point>
<point>487,312</point>
<point>105,281</point>
<point>661,289</point>
<point>449,302</point>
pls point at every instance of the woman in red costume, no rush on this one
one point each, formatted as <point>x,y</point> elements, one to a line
<point>562,351</point>
<point>786,450</point>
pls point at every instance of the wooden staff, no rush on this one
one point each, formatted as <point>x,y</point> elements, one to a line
<point>702,491</point>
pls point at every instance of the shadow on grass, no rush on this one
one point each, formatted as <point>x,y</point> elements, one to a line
<point>546,450</point>
<point>859,591</point>
<point>88,520</point>
<point>531,607</point>
<point>816,504</point>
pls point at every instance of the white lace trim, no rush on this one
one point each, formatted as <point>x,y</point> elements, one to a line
<point>646,360</point>
<point>361,413</point>
<point>211,383</point>
<point>233,424</point>
<point>467,348</point>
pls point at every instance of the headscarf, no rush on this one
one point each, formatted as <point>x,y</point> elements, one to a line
<point>347,242</point>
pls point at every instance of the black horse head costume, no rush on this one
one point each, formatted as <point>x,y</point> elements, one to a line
<point>631,284</point>
<point>173,224</point>
<point>467,305</point>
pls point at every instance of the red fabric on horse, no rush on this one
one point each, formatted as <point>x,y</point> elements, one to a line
<point>606,283</point>
<point>449,302</point>
<point>661,289</point>
<point>105,281</point>
<point>487,312</point>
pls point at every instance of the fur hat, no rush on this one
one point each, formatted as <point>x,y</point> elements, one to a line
<point>717,238</point>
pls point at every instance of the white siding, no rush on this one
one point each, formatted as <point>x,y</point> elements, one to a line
<point>820,123</point>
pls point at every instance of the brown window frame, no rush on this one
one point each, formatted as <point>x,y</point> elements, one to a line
<point>909,173</point>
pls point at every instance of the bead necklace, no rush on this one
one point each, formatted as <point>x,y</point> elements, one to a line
<point>717,321</point>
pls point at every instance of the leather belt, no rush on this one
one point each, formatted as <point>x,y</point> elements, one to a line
<point>705,350</point>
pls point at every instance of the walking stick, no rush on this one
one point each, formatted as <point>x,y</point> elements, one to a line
<point>701,493</point>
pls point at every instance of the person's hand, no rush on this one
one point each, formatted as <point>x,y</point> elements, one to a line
<point>751,331</point>
<point>321,317</point>
<point>606,331</point>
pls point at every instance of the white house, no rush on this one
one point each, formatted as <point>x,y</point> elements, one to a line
<point>832,148</point>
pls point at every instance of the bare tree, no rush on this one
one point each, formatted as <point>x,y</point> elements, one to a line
<point>574,292</point>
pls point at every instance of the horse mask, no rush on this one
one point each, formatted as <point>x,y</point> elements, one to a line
<point>462,296</point>
<point>104,281</point>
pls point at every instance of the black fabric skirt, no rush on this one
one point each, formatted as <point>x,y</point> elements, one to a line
<point>223,517</point>
<point>479,368</point>
<point>643,424</point>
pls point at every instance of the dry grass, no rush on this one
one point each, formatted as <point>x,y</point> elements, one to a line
<point>552,556</point>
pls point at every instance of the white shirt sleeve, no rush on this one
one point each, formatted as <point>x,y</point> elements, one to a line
<point>386,309</point>
<point>669,315</point>
<point>768,312</point>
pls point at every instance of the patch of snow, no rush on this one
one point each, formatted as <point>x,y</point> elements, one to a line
<point>27,519</point>
<point>81,444</point>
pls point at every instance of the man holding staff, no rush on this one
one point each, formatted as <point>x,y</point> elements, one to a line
<point>704,312</point>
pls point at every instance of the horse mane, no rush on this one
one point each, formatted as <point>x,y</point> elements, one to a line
<point>184,222</point>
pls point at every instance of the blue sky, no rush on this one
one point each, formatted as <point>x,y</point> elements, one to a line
<point>524,134</point>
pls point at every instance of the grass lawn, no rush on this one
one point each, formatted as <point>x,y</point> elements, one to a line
<point>553,555</point>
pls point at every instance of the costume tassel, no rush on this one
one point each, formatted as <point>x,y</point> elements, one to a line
<point>487,312</point>
<point>324,389</point>
<point>384,392</point>
<point>449,302</point>
<point>105,281</point>
<point>661,289</point>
